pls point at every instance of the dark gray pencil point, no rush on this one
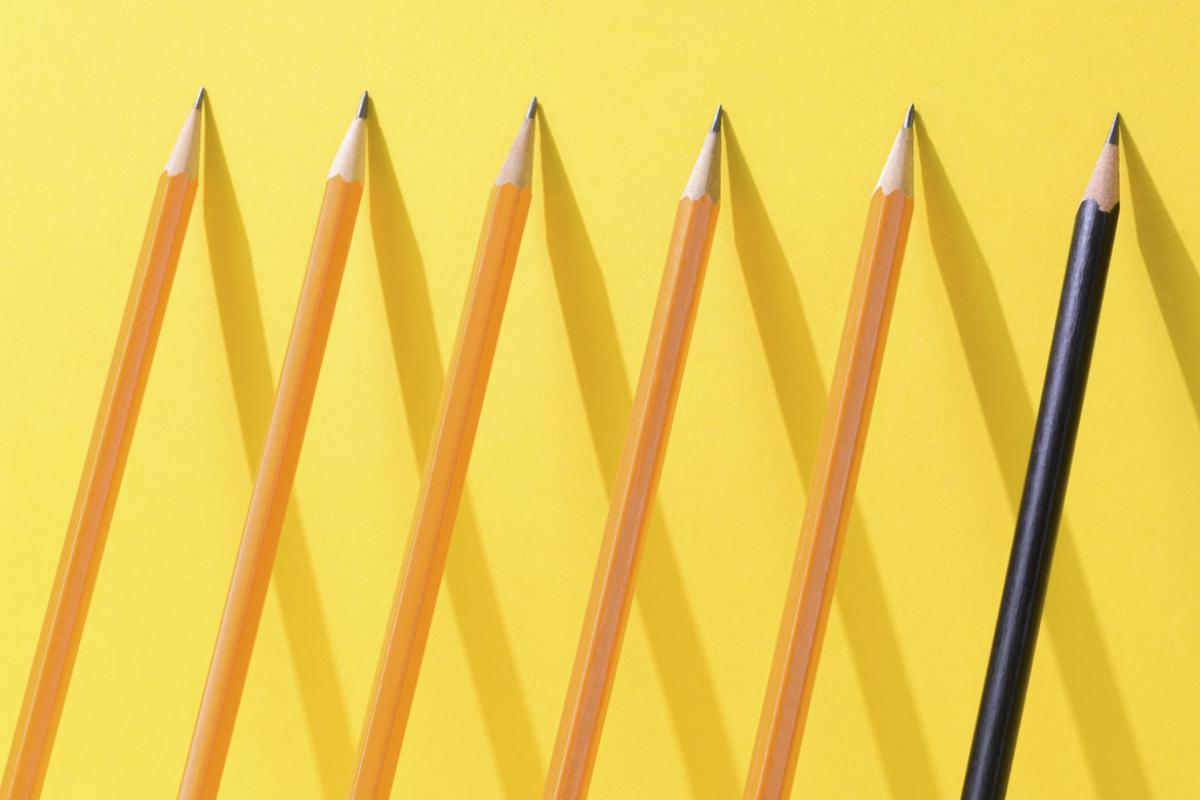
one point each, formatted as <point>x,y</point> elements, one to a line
<point>716,126</point>
<point>908,118</point>
<point>532,108</point>
<point>362,107</point>
<point>199,98</point>
<point>1114,135</point>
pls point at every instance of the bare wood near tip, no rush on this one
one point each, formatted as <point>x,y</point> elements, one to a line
<point>636,481</point>
<point>276,472</point>
<point>79,565</point>
<point>1104,186</point>
<point>518,164</point>
<point>898,169</point>
<point>445,474</point>
<point>835,472</point>
<point>706,174</point>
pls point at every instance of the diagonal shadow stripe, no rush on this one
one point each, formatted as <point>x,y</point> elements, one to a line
<point>1172,270</point>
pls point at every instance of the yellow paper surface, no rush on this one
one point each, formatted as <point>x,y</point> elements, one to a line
<point>1014,104</point>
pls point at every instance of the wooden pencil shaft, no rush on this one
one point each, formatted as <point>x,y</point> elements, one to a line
<point>442,487</point>
<point>634,488</point>
<point>1011,660</point>
<point>272,488</point>
<point>62,629</point>
<point>831,490</point>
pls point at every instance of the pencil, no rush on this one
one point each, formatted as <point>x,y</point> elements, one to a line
<point>1024,592</point>
<point>835,472</point>
<point>637,477</point>
<point>277,467</point>
<point>446,471</point>
<point>62,629</point>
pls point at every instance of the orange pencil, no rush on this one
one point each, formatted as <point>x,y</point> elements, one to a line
<point>831,492</point>
<point>277,468</point>
<point>637,477</point>
<point>450,452</point>
<point>62,629</point>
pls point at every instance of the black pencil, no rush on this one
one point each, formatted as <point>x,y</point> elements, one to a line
<point>1045,482</point>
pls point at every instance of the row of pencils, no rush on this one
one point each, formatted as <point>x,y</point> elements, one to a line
<point>840,450</point>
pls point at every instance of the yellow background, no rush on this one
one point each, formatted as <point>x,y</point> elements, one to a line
<point>1014,103</point>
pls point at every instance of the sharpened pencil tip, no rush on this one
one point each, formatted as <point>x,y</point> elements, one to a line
<point>1114,134</point>
<point>908,118</point>
<point>362,106</point>
<point>532,108</point>
<point>716,126</point>
<point>199,98</point>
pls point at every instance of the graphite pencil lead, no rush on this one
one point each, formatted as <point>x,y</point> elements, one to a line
<point>1114,134</point>
<point>362,106</point>
<point>716,126</point>
<point>199,98</point>
<point>532,108</point>
<point>908,118</point>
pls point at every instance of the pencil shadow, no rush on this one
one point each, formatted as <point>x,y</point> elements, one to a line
<point>678,654</point>
<point>295,581</point>
<point>409,311</point>
<point>1172,271</point>
<point>1101,719</point>
<point>795,371</point>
